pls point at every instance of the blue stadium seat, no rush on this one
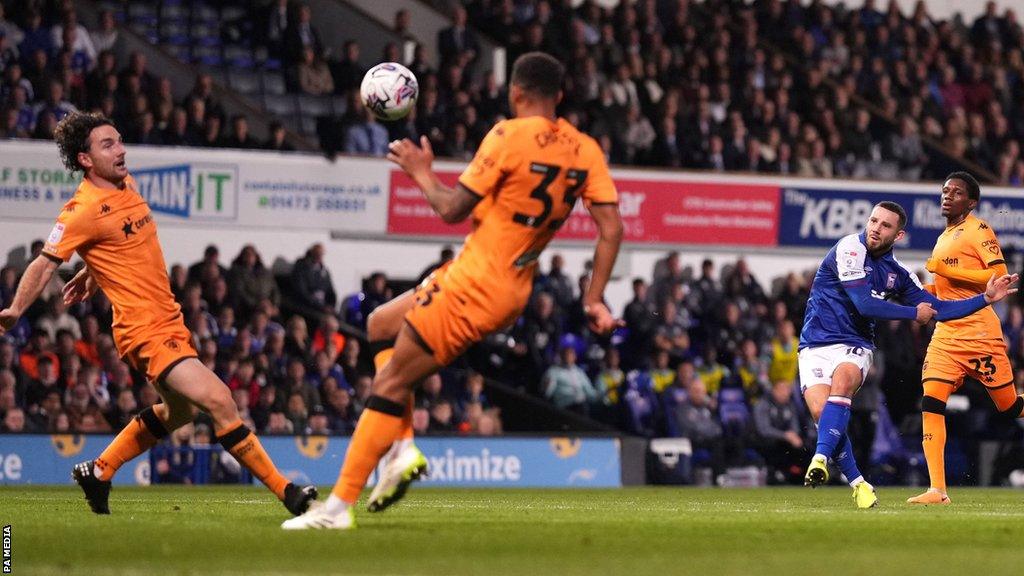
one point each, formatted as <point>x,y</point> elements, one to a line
<point>307,125</point>
<point>340,105</point>
<point>273,83</point>
<point>283,105</point>
<point>315,105</point>
<point>243,81</point>
<point>733,410</point>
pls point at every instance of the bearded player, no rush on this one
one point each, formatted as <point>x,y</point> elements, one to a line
<point>111,227</point>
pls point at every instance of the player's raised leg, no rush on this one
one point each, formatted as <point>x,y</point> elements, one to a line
<point>378,428</point>
<point>403,463</point>
<point>141,434</point>
<point>194,381</point>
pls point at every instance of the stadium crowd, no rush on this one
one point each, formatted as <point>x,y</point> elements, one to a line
<point>710,356</point>
<point>773,87</point>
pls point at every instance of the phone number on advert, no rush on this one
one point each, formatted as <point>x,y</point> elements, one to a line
<point>302,202</point>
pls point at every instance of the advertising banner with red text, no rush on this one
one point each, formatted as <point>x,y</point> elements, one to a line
<point>654,211</point>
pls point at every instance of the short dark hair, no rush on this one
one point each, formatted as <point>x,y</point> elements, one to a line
<point>72,136</point>
<point>538,73</point>
<point>973,188</point>
<point>894,207</point>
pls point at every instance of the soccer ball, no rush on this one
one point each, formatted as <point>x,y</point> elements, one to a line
<point>389,90</point>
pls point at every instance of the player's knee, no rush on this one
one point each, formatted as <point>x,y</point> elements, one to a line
<point>933,405</point>
<point>1015,410</point>
<point>220,404</point>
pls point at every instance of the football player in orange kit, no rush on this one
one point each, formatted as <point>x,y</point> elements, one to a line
<point>111,227</point>
<point>519,189</point>
<point>965,256</point>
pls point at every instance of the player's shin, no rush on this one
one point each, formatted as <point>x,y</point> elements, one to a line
<point>835,418</point>
<point>379,426</point>
<point>844,459</point>
<point>237,439</point>
<point>141,434</point>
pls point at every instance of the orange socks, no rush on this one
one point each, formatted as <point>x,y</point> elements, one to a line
<point>380,359</point>
<point>141,434</point>
<point>934,443</point>
<point>237,439</point>
<point>380,425</point>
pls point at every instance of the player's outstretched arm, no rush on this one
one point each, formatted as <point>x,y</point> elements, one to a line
<point>609,237</point>
<point>35,278</point>
<point>995,290</point>
<point>978,278</point>
<point>867,305</point>
<point>453,205</point>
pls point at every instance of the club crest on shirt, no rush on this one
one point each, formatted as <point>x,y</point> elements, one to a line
<point>56,234</point>
<point>890,281</point>
<point>957,233</point>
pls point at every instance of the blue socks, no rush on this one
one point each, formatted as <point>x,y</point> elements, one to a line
<point>835,417</point>
<point>843,457</point>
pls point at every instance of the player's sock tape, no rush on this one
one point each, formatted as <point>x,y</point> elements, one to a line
<point>152,423</point>
<point>232,438</point>
<point>934,405</point>
<point>381,404</point>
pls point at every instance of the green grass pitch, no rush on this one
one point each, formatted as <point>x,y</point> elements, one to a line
<point>634,531</point>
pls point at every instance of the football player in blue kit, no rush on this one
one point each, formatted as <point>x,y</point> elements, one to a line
<point>850,291</point>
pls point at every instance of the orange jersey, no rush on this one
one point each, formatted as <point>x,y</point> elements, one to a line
<point>529,173</point>
<point>114,232</point>
<point>971,245</point>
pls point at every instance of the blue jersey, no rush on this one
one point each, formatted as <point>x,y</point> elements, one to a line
<point>840,308</point>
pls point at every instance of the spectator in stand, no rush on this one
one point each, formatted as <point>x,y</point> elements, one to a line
<point>366,136</point>
<point>209,269</point>
<point>278,138</point>
<point>697,420</point>
<point>251,283</point>
<point>348,72</point>
<point>313,76</point>
<point>457,43</point>
<point>302,35</point>
<point>312,287</point>
<point>375,293</point>
<point>55,105</point>
<point>778,431</point>
<point>14,421</point>
<point>556,283</point>
<point>274,24</point>
<point>534,339</point>
<point>106,36</point>
<point>566,385</point>
<point>239,136</point>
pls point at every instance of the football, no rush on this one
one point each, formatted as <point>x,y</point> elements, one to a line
<point>389,90</point>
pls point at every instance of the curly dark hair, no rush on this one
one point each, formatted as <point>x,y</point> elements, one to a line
<point>72,136</point>
<point>538,73</point>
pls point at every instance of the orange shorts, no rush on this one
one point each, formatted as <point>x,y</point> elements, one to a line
<point>947,363</point>
<point>448,320</point>
<point>160,352</point>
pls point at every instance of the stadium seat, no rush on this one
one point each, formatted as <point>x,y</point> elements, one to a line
<point>314,106</point>
<point>307,125</point>
<point>244,81</point>
<point>273,83</point>
<point>281,105</point>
